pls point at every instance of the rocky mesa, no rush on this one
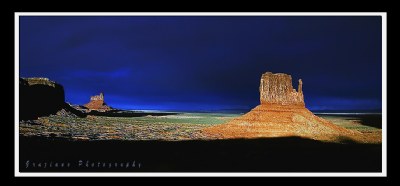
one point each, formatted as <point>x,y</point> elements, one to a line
<point>282,113</point>
<point>40,96</point>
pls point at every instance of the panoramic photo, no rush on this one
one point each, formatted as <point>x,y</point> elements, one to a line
<point>200,94</point>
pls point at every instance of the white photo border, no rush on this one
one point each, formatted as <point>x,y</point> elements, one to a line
<point>17,173</point>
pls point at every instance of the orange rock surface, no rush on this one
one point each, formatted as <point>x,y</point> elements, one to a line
<point>97,103</point>
<point>279,121</point>
<point>282,113</point>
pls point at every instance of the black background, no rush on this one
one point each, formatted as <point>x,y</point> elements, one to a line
<point>69,6</point>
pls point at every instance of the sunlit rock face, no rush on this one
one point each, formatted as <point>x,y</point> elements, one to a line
<point>277,89</point>
<point>282,113</point>
<point>97,103</point>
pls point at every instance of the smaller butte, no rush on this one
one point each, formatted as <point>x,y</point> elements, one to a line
<point>97,103</point>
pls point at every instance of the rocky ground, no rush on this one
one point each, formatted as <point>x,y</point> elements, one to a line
<point>282,113</point>
<point>183,126</point>
<point>170,127</point>
<point>368,127</point>
<point>279,121</point>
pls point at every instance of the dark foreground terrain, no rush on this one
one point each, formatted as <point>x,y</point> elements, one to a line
<point>38,154</point>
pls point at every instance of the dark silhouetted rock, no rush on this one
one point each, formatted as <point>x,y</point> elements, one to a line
<point>70,111</point>
<point>42,97</point>
<point>39,97</point>
<point>80,108</point>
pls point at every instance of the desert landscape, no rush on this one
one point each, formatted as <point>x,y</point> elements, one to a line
<point>282,113</point>
<point>174,127</point>
<point>200,93</point>
<point>262,139</point>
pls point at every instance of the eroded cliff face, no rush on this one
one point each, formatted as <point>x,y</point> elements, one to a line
<point>39,97</point>
<point>97,103</point>
<point>282,113</point>
<point>277,89</point>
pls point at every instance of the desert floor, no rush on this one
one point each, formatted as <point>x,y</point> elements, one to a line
<point>180,126</point>
<point>175,143</point>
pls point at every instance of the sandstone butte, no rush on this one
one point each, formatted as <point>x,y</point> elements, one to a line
<point>97,103</point>
<point>282,113</point>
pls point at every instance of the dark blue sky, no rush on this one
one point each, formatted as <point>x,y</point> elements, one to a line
<point>205,63</point>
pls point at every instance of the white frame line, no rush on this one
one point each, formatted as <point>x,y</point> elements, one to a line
<point>210,174</point>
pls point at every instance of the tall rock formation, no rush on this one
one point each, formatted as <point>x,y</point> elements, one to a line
<point>42,97</point>
<point>282,113</point>
<point>277,89</point>
<point>39,97</point>
<point>97,103</point>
